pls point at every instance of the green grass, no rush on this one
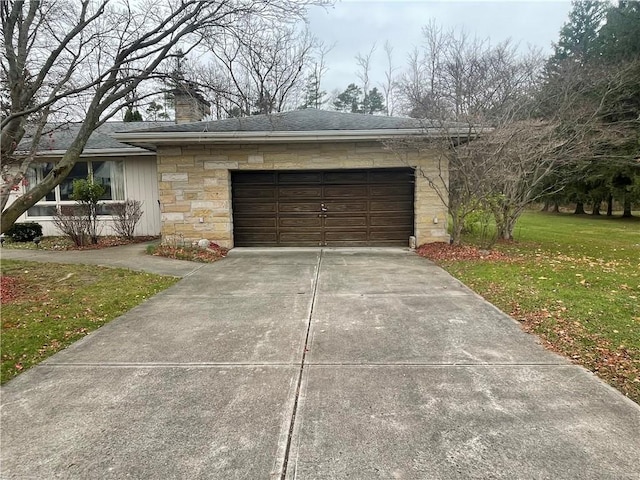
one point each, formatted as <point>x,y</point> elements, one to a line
<point>574,281</point>
<point>51,306</point>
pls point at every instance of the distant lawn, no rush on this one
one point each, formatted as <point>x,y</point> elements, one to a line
<point>46,307</point>
<point>575,282</point>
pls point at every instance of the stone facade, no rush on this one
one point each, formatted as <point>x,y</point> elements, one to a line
<point>195,183</point>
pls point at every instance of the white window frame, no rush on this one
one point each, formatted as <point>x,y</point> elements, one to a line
<point>57,203</point>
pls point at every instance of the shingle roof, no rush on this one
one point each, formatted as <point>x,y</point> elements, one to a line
<point>296,121</point>
<point>60,136</point>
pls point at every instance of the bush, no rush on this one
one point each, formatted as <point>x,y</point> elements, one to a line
<point>88,195</point>
<point>25,232</point>
<point>72,221</point>
<point>126,216</point>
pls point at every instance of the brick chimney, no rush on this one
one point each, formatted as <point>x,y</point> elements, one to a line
<point>190,105</point>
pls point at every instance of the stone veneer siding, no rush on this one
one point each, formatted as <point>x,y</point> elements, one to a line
<point>195,183</point>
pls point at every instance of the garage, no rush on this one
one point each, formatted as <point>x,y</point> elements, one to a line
<point>355,207</point>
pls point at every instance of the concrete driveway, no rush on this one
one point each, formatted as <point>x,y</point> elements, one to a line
<point>315,364</point>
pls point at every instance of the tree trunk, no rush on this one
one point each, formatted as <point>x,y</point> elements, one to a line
<point>579,209</point>
<point>610,205</point>
<point>545,207</point>
<point>627,206</point>
<point>556,207</point>
<point>596,208</point>
<point>456,230</point>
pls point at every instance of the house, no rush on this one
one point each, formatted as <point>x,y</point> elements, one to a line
<point>300,178</point>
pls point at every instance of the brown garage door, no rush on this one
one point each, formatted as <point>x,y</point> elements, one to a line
<point>327,207</point>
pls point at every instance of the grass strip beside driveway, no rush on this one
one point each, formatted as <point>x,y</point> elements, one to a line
<point>46,307</point>
<point>575,282</point>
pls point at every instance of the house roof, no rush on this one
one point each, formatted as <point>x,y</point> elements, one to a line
<point>296,121</point>
<point>308,125</point>
<point>59,137</point>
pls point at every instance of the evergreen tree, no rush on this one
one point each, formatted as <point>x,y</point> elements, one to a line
<point>619,38</point>
<point>579,36</point>
<point>314,97</point>
<point>349,100</point>
<point>131,115</point>
<point>373,102</point>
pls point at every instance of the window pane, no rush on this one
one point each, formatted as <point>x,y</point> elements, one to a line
<point>78,172</point>
<point>110,176</point>
<point>105,209</point>
<point>42,211</point>
<point>35,174</point>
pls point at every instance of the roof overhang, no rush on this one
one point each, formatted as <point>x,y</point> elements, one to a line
<point>96,152</point>
<point>151,139</point>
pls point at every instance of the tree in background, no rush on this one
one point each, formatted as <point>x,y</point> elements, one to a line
<point>349,100</point>
<point>264,68</point>
<point>597,62</point>
<point>353,100</point>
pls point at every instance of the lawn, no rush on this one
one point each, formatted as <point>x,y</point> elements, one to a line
<point>46,307</point>
<point>575,282</point>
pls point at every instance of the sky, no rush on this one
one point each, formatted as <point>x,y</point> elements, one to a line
<point>353,26</point>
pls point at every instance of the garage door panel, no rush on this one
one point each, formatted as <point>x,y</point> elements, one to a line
<point>248,192</point>
<point>346,235</point>
<point>346,177</point>
<point>391,176</point>
<point>292,207</point>
<point>254,222</point>
<point>306,221</point>
<point>346,191</point>
<point>301,237</point>
<point>392,234</point>
<point>348,206</point>
<point>242,237</point>
<point>390,220</point>
<point>390,206</point>
<point>348,221</point>
<point>299,177</point>
<point>255,178</point>
<point>300,192</point>
<point>391,190</point>
<point>253,208</point>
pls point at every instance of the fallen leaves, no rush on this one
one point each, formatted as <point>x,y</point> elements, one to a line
<point>444,251</point>
<point>9,289</point>
<point>618,365</point>
<point>193,254</point>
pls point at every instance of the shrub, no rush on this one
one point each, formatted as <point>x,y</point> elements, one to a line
<point>72,221</point>
<point>88,195</point>
<point>25,232</point>
<point>126,216</point>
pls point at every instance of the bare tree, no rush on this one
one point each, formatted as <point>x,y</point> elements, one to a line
<point>314,96</point>
<point>81,59</point>
<point>261,69</point>
<point>364,69</point>
<point>469,91</point>
<point>390,83</point>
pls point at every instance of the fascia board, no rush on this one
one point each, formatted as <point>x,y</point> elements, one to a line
<point>96,152</point>
<point>159,138</point>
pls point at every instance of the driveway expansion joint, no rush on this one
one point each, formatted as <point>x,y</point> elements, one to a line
<point>287,451</point>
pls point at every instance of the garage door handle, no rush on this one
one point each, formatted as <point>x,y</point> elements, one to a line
<point>322,216</point>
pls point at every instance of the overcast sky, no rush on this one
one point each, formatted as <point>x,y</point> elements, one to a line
<point>355,25</point>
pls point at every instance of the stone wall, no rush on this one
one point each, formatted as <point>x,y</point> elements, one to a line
<point>195,183</point>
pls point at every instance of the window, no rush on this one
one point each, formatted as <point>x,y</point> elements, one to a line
<point>109,174</point>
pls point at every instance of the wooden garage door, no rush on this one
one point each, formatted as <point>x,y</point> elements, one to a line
<point>323,208</point>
